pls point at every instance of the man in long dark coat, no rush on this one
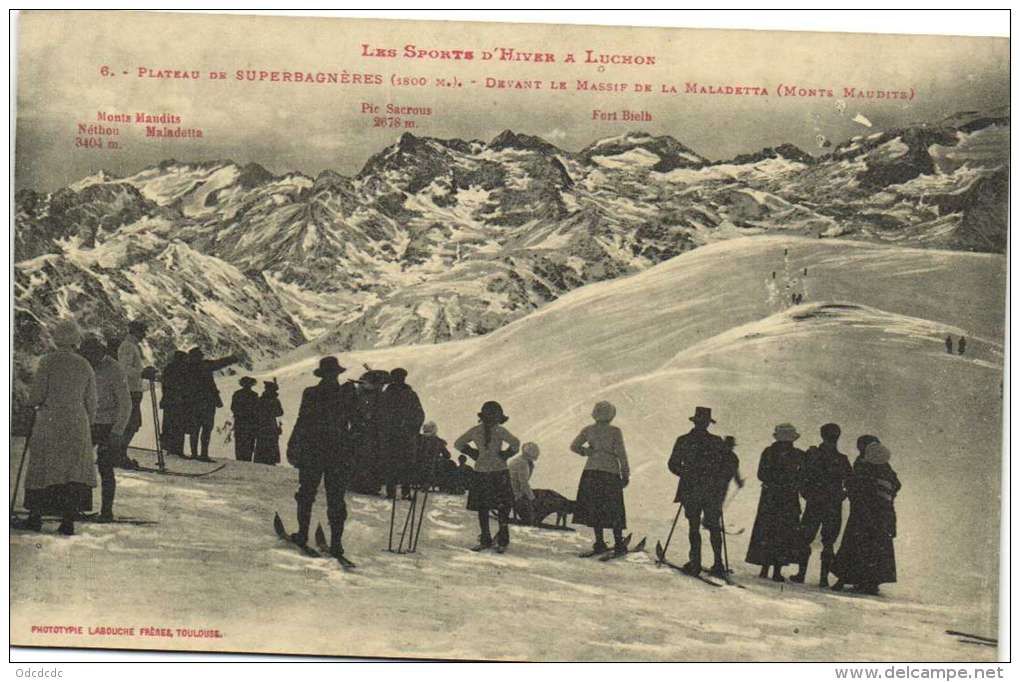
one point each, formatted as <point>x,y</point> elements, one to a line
<point>320,448</point>
<point>403,417</point>
<point>823,487</point>
<point>174,403</point>
<point>204,399</point>
<point>367,477</point>
<point>244,406</point>
<point>698,460</point>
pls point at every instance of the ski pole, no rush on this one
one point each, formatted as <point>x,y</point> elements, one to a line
<point>725,551</point>
<point>161,463</point>
<point>410,513</point>
<point>421,520</point>
<point>393,515</point>
<point>24,456</point>
<point>672,528</point>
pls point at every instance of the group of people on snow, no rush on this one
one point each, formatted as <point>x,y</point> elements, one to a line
<point>370,435</point>
<point>86,398</point>
<point>783,533</point>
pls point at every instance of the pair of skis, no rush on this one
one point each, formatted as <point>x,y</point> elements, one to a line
<point>967,638</point>
<point>320,542</point>
<point>609,554</point>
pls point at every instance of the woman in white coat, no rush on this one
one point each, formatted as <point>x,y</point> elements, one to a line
<point>61,466</point>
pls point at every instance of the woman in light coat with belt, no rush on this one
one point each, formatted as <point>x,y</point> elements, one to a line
<point>606,474</point>
<point>61,466</point>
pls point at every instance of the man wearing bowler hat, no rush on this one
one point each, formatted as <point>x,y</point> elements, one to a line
<point>320,448</point>
<point>698,459</point>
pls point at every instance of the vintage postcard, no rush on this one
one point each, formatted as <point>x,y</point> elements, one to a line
<point>439,340</point>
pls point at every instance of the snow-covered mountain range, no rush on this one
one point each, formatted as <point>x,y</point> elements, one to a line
<point>436,239</point>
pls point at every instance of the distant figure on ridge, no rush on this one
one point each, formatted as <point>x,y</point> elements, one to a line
<point>961,346</point>
<point>949,344</point>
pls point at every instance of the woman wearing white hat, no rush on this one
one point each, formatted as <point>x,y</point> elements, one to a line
<point>776,539</point>
<point>61,466</point>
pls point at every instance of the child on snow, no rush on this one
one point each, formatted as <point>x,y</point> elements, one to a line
<point>606,473</point>
<point>490,485</point>
<point>431,454</point>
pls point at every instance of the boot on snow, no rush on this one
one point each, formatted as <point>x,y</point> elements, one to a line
<point>691,568</point>
<point>777,574</point>
<point>66,525</point>
<point>718,571</point>
<point>800,575</point>
<point>823,579</point>
<point>483,543</point>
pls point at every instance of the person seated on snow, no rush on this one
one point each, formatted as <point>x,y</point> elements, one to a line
<point>606,473</point>
<point>431,454</point>
<point>521,468</point>
<point>113,409</point>
<point>866,557</point>
<point>823,487</point>
<point>776,539</point>
<point>462,475</point>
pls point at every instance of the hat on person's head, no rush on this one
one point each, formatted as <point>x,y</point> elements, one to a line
<point>876,453</point>
<point>702,414</point>
<point>785,432</point>
<point>730,441</point>
<point>92,348</point>
<point>429,428</point>
<point>65,333</point>
<point>831,431</point>
<point>271,386</point>
<point>398,375</point>
<point>136,326</point>
<point>492,411</point>
<point>329,366</point>
<point>603,411</point>
<point>247,382</point>
<point>864,441</point>
<point>375,377</point>
<point>530,451</point>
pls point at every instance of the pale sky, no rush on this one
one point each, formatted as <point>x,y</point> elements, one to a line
<point>309,128</point>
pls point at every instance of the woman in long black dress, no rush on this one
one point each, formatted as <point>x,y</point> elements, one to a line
<point>866,557</point>
<point>776,539</point>
<point>267,429</point>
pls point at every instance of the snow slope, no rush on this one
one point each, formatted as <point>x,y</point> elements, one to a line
<point>865,349</point>
<point>211,562</point>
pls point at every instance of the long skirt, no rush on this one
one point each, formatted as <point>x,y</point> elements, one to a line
<point>59,498</point>
<point>490,490</point>
<point>267,449</point>
<point>600,501</point>
<point>776,538</point>
<point>866,556</point>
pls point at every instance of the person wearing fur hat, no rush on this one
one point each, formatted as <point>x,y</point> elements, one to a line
<point>866,556</point>
<point>267,428</point>
<point>244,407</point>
<point>823,487</point>
<point>606,473</point>
<point>430,452</point>
<point>402,419</point>
<point>521,468</point>
<point>320,447</point>
<point>490,444</point>
<point>776,539</point>
<point>113,409</point>
<point>61,467</point>
<point>702,462</point>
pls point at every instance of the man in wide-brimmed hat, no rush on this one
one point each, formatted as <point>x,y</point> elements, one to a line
<point>320,448</point>
<point>699,460</point>
<point>244,407</point>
